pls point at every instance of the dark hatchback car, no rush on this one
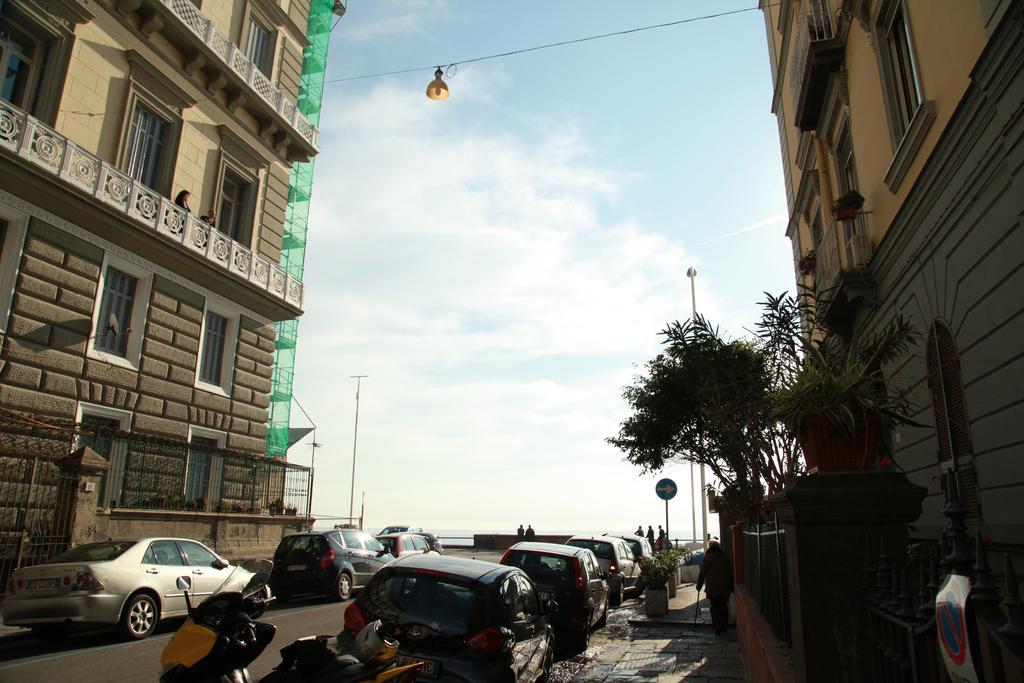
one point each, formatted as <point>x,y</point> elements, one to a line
<point>573,579</point>
<point>334,562</point>
<point>467,620</point>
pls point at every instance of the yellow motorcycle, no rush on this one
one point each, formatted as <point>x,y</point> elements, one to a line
<point>221,638</point>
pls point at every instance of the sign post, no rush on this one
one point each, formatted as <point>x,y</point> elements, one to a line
<point>666,490</point>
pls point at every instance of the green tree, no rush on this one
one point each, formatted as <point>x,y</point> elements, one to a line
<point>710,400</point>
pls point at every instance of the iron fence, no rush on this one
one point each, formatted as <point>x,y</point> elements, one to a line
<point>36,497</point>
<point>899,602</point>
<point>765,574</point>
<point>157,474</point>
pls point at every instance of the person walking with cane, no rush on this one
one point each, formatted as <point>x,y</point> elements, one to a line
<point>716,578</point>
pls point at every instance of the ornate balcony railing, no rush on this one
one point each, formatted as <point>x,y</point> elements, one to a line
<point>235,60</point>
<point>48,150</point>
<point>816,54</point>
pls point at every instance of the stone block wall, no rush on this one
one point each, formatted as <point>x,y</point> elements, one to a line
<point>46,369</point>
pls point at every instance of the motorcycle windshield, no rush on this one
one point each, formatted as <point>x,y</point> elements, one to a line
<point>248,577</point>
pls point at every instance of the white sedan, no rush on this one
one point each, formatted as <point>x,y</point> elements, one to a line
<point>130,584</point>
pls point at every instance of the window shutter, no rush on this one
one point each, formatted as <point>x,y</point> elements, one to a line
<point>951,423</point>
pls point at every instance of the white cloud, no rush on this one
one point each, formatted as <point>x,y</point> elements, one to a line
<point>497,303</point>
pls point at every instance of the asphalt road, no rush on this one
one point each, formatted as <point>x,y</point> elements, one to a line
<point>101,656</point>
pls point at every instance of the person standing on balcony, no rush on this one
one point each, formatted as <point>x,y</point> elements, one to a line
<point>182,200</point>
<point>716,575</point>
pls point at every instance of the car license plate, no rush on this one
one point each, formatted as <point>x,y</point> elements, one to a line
<point>296,567</point>
<point>430,667</point>
<point>42,584</point>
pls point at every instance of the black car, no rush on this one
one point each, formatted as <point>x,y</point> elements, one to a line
<point>334,562</point>
<point>573,579</point>
<point>432,540</point>
<point>467,620</point>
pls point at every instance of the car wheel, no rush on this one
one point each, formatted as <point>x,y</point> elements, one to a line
<point>583,638</point>
<point>140,617</point>
<point>51,633</point>
<point>343,587</point>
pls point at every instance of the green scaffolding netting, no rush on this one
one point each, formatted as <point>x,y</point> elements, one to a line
<point>293,247</point>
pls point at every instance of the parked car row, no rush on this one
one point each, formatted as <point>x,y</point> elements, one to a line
<point>481,621</point>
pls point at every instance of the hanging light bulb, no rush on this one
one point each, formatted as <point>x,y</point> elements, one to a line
<point>438,89</point>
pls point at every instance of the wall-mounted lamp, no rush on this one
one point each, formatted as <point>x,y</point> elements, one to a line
<point>438,89</point>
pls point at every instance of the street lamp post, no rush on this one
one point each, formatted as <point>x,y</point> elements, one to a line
<point>691,273</point>
<point>355,437</point>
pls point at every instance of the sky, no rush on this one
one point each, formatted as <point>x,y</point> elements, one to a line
<point>500,263</point>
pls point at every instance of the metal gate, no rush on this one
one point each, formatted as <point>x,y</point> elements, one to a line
<point>36,499</point>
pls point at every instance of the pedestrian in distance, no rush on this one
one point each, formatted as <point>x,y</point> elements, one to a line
<point>650,535</point>
<point>530,533</point>
<point>639,530</point>
<point>661,538</point>
<point>520,532</point>
<point>716,579</point>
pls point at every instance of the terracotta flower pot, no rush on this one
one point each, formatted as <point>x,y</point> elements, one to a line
<point>826,449</point>
<point>847,213</point>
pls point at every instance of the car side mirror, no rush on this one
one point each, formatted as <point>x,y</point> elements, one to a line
<point>382,551</point>
<point>550,607</point>
<point>219,563</point>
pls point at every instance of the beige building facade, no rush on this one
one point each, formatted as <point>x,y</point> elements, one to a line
<point>124,306</point>
<point>915,105</point>
<point>114,297</point>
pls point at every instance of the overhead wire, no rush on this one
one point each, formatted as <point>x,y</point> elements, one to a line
<point>638,29</point>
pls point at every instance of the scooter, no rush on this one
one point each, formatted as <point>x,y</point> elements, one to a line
<point>221,637</point>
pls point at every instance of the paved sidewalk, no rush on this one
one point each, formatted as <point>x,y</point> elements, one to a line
<point>635,647</point>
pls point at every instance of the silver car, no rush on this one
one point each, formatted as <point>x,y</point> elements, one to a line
<point>130,584</point>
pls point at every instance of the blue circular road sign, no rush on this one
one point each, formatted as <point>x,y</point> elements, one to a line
<point>666,489</point>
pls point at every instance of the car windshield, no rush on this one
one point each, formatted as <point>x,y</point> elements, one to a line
<point>438,602</point>
<point>394,529</point>
<point>600,548</point>
<point>541,567</point>
<point>94,552</point>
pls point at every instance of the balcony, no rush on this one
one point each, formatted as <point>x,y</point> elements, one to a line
<point>817,53</point>
<point>208,49</point>
<point>842,276</point>
<point>45,149</point>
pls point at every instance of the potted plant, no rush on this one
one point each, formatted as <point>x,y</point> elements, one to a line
<point>291,511</point>
<point>847,206</point>
<point>276,506</point>
<point>656,572</point>
<point>839,396</point>
<point>807,263</point>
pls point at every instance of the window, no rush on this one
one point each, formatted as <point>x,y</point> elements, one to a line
<point>259,46</point>
<point>197,555</point>
<point>351,537</point>
<point>164,553</point>
<point>407,543</point>
<point>97,422</point>
<point>905,92</point>
<point>211,365</point>
<point>197,475</point>
<point>34,50</point>
<point>116,312</point>
<point>146,140</point>
<point>12,237</point>
<point>235,216</point>
<point>119,316</point>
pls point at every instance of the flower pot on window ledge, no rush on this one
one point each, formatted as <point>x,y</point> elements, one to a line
<point>847,207</point>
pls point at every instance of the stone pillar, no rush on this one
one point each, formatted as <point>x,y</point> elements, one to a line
<point>830,519</point>
<point>79,489</point>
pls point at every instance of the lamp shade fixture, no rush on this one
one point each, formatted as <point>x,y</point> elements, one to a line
<point>438,89</point>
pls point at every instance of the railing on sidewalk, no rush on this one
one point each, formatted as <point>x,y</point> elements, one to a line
<point>899,602</point>
<point>764,569</point>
